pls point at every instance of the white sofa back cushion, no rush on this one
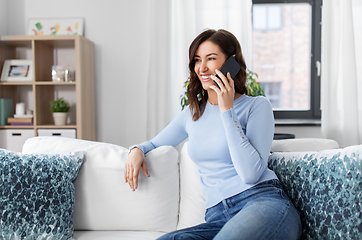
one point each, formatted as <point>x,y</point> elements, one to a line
<point>303,144</point>
<point>192,193</point>
<point>103,201</point>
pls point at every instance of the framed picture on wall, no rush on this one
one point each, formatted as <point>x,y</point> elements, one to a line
<point>17,70</point>
<point>56,26</point>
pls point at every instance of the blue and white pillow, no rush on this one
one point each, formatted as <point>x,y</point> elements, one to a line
<point>326,188</point>
<point>37,194</point>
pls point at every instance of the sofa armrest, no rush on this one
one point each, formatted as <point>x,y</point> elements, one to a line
<point>103,201</point>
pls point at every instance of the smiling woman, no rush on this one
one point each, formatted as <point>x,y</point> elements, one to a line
<point>230,136</point>
<point>216,46</point>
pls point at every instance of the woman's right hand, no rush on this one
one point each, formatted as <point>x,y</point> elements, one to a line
<point>135,161</point>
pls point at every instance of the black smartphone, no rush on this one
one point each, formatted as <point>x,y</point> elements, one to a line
<point>231,66</point>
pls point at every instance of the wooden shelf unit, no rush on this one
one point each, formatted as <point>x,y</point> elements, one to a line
<point>42,50</point>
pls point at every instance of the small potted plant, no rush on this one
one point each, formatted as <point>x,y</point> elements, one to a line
<point>60,109</point>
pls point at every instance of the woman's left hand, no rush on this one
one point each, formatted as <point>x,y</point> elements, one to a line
<point>226,93</point>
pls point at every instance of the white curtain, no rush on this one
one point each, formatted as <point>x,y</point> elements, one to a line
<point>159,81</point>
<point>341,79</point>
<point>169,50</point>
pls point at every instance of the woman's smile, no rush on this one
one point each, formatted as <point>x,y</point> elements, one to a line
<point>205,78</point>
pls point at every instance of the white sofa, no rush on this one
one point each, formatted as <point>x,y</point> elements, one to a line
<point>172,198</point>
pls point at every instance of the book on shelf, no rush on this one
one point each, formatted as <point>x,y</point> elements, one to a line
<point>6,110</point>
<point>21,124</point>
<point>20,120</point>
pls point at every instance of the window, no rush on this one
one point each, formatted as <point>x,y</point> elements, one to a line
<point>272,91</point>
<point>266,17</point>
<point>286,49</point>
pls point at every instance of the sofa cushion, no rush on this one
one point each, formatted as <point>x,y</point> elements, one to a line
<point>192,193</point>
<point>303,144</point>
<point>37,195</point>
<point>326,188</point>
<point>103,201</point>
<point>116,235</point>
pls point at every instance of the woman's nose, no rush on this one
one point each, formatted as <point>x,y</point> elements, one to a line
<point>203,67</point>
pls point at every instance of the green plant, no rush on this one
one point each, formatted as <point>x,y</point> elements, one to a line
<point>255,89</point>
<point>184,99</point>
<point>59,105</point>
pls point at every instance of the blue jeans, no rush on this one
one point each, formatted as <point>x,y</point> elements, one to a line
<point>261,212</point>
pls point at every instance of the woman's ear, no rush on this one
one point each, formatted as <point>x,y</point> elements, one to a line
<point>234,55</point>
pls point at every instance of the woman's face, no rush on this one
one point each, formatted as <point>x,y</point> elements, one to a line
<point>208,57</point>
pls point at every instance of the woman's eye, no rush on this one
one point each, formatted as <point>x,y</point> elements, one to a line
<point>211,58</point>
<point>197,60</point>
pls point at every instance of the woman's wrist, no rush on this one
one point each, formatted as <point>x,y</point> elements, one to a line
<point>135,150</point>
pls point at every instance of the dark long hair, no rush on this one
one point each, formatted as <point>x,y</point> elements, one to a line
<point>229,45</point>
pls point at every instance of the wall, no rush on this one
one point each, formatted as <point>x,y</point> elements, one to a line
<point>121,32</point>
<point>301,131</point>
<point>3,17</point>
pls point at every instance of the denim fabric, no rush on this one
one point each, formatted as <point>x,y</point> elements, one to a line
<point>261,212</point>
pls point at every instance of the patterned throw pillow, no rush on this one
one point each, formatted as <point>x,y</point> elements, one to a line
<point>37,194</point>
<point>326,188</point>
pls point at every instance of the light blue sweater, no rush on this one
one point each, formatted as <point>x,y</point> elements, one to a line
<point>231,149</point>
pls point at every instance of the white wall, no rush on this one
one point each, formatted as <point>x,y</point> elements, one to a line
<point>301,131</point>
<point>120,30</point>
<point>3,17</point>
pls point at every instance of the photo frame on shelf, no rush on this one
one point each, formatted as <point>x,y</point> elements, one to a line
<point>56,26</point>
<point>17,70</point>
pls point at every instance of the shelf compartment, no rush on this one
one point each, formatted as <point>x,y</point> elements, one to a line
<point>43,60</point>
<point>52,52</point>
<point>19,92</point>
<point>44,95</point>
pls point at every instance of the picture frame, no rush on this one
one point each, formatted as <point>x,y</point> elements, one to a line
<point>55,26</point>
<point>17,70</point>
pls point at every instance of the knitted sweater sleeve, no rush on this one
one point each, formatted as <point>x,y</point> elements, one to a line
<point>173,134</point>
<point>250,150</point>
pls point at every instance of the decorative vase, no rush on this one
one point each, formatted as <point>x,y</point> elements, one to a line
<point>60,118</point>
